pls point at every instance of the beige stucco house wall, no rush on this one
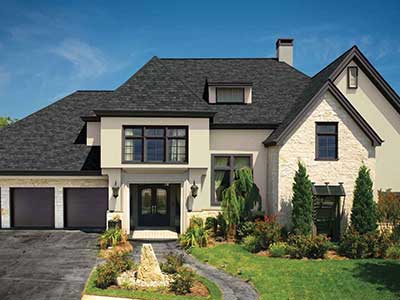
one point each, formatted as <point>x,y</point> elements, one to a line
<point>385,120</point>
<point>355,148</point>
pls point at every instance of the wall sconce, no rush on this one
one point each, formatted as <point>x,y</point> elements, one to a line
<point>115,190</point>
<point>194,188</point>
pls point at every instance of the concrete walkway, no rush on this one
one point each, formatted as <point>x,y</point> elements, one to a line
<point>232,287</point>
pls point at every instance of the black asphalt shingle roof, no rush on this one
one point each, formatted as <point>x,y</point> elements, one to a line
<point>53,139</point>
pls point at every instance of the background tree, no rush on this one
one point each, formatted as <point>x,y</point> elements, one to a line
<point>363,213</point>
<point>302,202</point>
<point>5,121</point>
<point>239,199</point>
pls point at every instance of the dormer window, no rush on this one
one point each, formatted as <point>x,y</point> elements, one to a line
<point>229,92</point>
<point>352,77</point>
<point>230,95</point>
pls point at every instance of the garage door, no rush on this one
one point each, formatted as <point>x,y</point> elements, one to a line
<point>85,207</point>
<point>32,207</point>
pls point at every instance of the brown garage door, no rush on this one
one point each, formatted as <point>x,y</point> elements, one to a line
<point>32,207</point>
<point>85,207</point>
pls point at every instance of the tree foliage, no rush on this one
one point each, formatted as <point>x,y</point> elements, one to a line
<point>240,197</point>
<point>363,213</point>
<point>302,202</point>
<point>5,121</point>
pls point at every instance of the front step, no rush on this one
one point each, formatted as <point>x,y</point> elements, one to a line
<point>154,235</point>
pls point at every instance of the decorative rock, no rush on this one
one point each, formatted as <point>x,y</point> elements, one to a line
<point>149,269</point>
<point>148,275</point>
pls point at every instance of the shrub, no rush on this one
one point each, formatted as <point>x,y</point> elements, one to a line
<point>393,252</point>
<point>222,226</point>
<point>353,245</point>
<point>111,237</point>
<point>251,243</point>
<point>363,213</point>
<point>245,229</point>
<point>278,249</point>
<point>396,234</point>
<point>120,261</point>
<point>267,231</point>
<point>302,202</point>
<point>195,236</point>
<point>306,246</point>
<point>356,245</point>
<point>212,225</point>
<point>106,275</point>
<point>182,281</point>
<point>257,215</point>
<point>172,264</point>
<point>378,243</point>
<point>388,207</point>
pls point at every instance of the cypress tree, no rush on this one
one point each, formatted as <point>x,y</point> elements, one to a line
<point>302,202</point>
<point>363,213</point>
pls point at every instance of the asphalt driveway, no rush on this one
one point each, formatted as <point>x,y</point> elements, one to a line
<point>45,265</point>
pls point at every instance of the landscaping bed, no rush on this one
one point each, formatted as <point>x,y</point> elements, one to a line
<point>280,278</point>
<point>202,289</point>
<point>119,276</point>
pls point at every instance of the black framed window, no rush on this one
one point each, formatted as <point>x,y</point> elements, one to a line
<point>230,95</point>
<point>223,172</point>
<point>327,141</point>
<point>155,144</point>
<point>352,77</point>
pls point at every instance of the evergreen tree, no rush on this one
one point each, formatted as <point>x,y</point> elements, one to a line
<point>302,202</point>
<point>240,198</point>
<point>363,213</point>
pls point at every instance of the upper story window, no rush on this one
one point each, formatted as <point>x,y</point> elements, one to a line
<point>230,95</point>
<point>155,144</point>
<point>327,141</point>
<point>352,77</point>
<point>223,168</point>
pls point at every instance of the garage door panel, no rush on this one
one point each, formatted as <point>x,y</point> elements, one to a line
<point>85,207</point>
<point>32,207</point>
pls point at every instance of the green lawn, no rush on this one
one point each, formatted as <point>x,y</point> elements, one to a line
<point>277,278</point>
<point>91,289</point>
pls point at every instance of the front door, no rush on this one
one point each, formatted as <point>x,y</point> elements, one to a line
<point>153,205</point>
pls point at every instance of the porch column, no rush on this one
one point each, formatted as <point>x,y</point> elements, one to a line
<point>59,207</point>
<point>5,207</point>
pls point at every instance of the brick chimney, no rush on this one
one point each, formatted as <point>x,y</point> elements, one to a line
<point>284,51</point>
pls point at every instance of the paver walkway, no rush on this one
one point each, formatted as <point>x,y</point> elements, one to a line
<point>232,287</point>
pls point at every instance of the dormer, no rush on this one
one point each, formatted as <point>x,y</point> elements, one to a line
<point>229,92</point>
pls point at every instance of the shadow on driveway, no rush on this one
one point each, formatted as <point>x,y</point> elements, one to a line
<point>41,265</point>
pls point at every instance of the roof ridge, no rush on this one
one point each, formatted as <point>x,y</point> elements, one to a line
<point>335,60</point>
<point>217,58</point>
<point>94,91</point>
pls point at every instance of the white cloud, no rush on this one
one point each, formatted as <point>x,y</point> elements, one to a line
<point>88,61</point>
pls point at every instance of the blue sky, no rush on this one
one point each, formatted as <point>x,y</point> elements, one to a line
<point>49,49</point>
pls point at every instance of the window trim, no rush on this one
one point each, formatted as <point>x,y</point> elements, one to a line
<point>231,156</point>
<point>348,77</point>
<point>229,102</point>
<point>165,138</point>
<point>336,124</point>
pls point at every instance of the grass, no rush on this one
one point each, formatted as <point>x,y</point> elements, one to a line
<point>91,289</point>
<point>279,278</point>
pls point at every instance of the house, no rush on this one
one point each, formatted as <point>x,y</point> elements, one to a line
<point>162,147</point>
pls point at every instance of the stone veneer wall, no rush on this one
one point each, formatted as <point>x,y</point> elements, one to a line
<point>355,148</point>
<point>57,183</point>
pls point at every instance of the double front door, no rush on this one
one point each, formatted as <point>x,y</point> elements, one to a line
<point>153,205</point>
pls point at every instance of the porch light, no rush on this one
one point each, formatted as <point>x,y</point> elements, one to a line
<point>194,188</point>
<point>115,190</point>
